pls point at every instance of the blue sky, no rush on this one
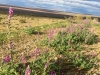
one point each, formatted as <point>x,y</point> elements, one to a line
<point>77,6</point>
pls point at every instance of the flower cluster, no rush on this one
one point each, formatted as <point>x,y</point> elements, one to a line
<point>28,70</point>
<point>6,59</point>
<point>10,14</point>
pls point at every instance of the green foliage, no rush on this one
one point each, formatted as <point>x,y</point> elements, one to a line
<point>48,26</point>
<point>91,39</point>
<point>82,61</point>
<point>3,37</point>
<point>73,40</point>
<point>29,30</point>
<point>44,42</point>
<point>43,64</point>
<point>7,69</point>
<point>13,34</point>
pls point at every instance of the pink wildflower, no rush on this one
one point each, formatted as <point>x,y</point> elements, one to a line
<point>52,72</point>
<point>46,65</point>
<point>6,59</point>
<point>87,38</point>
<point>50,34</point>
<point>23,58</point>
<point>92,53</point>
<point>10,11</point>
<point>10,14</point>
<point>36,51</point>
<point>28,71</point>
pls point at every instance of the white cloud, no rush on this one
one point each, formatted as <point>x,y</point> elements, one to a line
<point>62,5</point>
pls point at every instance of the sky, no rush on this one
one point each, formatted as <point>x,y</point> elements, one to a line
<point>76,6</point>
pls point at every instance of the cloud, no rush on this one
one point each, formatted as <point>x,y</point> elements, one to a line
<point>89,6</point>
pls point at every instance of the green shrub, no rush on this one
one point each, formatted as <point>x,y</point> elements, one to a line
<point>6,69</point>
<point>44,63</point>
<point>70,43</point>
<point>29,30</point>
<point>74,37</point>
<point>91,39</point>
<point>82,61</point>
<point>3,37</point>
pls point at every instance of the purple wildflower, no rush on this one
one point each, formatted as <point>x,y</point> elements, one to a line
<point>46,65</point>
<point>6,59</point>
<point>92,53</point>
<point>36,51</point>
<point>71,29</point>
<point>87,37</point>
<point>10,11</point>
<point>52,72</point>
<point>50,34</point>
<point>23,58</point>
<point>28,71</point>
<point>10,14</point>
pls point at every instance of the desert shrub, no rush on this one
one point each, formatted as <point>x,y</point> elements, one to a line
<point>74,38</point>
<point>82,61</point>
<point>64,41</point>
<point>29,30</point>
<point>22,21</point>
<point>69,44</point>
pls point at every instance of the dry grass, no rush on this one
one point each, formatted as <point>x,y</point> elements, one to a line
<point>29,21</point>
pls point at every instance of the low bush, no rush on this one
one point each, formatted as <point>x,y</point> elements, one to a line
<point>69,44</point>
<point>29,30</point>
<point>22,21</point>
<point>74,38</point>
